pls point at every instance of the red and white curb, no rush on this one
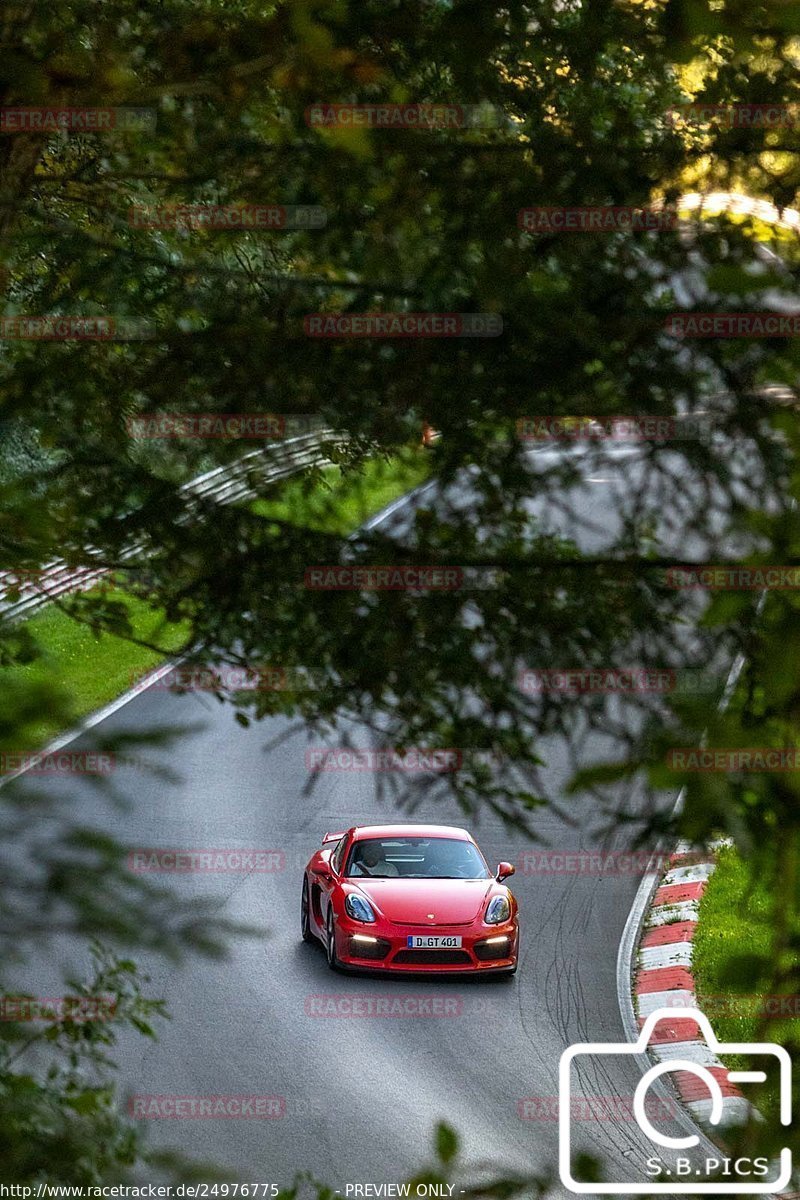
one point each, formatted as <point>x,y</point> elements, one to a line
<point>664,979</point>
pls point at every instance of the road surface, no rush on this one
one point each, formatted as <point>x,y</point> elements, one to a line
<point>362,1094</point>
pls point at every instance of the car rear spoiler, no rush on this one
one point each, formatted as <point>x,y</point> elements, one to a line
<point>332,837</point>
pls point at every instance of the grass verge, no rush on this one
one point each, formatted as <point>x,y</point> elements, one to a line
<point>336,501</point>
<point>86,670</point>
<point>732,945</point>
<point>83,668</point>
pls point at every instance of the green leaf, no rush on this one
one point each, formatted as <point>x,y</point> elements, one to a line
<point>446,1142</point>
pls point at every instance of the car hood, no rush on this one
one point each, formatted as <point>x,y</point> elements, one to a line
<point>411,901</point>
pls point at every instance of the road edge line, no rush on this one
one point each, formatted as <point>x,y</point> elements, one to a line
<point>157,674</point>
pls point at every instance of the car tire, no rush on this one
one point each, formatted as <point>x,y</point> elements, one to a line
<point>330,942</point>
<point>305,914</point>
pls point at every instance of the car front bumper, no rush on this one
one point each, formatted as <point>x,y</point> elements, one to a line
<point>484,948</point>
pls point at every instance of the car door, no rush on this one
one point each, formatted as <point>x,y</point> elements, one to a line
<point>331,882</point>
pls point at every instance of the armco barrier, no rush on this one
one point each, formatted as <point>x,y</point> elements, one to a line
<point>230,484</point>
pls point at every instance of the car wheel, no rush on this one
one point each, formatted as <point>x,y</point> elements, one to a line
<point>330,941</point>
<point>305,914</point>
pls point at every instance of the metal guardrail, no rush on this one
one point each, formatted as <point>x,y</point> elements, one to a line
<point>230,484</point>
<point>235,482</point>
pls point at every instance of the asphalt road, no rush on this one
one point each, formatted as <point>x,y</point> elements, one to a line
<point>362,1094</point>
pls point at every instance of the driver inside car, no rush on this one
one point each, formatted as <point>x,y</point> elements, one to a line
<point>372,862</point>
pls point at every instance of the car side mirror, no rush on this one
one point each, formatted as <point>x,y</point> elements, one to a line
<point>323,871</point>
<point>504,869</point>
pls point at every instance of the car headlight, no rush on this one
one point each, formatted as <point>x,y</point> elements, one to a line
<point>358,908</point>
<point>499,910</point>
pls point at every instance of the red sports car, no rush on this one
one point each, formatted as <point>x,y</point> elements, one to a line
<point>409,898</point>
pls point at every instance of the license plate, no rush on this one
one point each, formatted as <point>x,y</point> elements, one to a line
<point>431,942</point>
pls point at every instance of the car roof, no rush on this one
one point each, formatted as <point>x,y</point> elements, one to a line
<point>380,831</point>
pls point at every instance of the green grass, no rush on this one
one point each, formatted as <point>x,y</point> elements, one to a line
<point>85,669</point>
<point>732,945</point>
<point>80,671</point>
<point>767,232</point>
<point>341,500</point>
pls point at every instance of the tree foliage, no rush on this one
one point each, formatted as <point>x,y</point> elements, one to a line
<point>418,220</point>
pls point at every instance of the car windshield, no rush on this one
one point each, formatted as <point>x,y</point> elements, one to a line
<point>416,858</point>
